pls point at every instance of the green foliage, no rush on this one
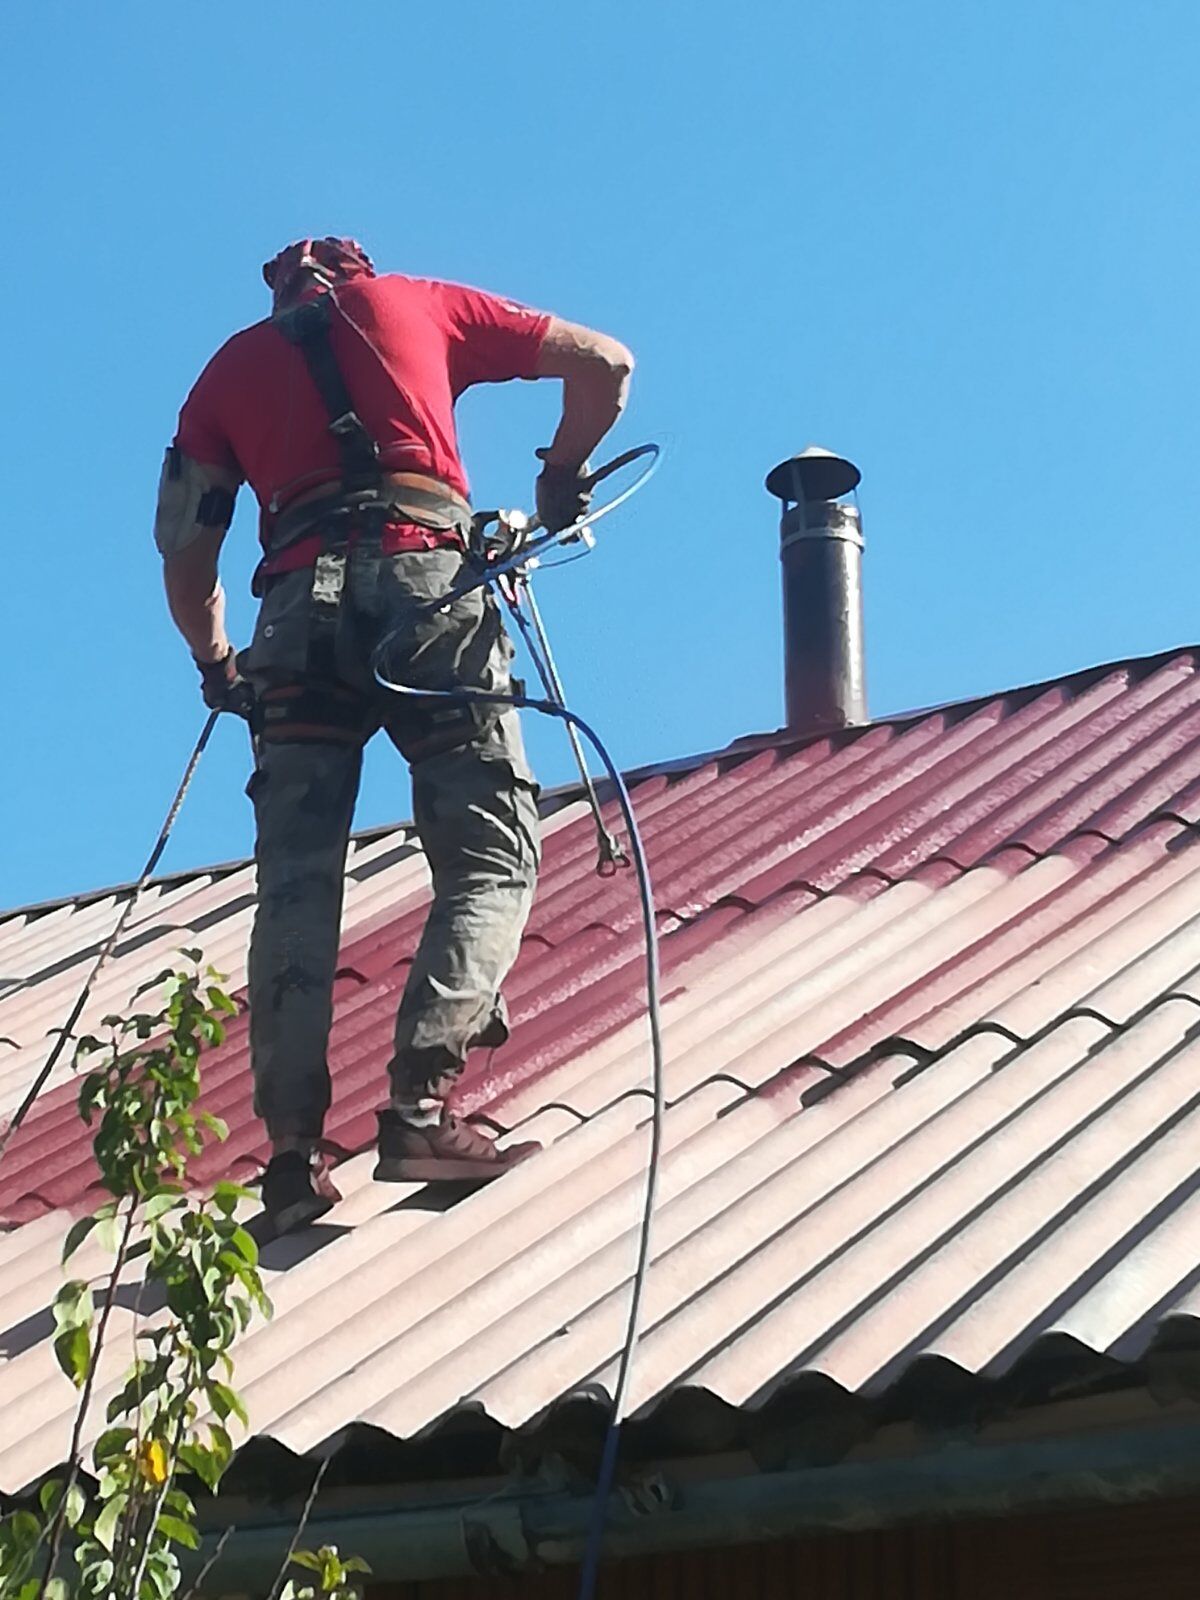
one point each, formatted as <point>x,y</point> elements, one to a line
<point>334,1577</point>
<point>139,1093</point>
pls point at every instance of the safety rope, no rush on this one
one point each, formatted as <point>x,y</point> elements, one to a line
<point>109,945</point>
<point>554,707</point>
<point>608,1461</point>
<point>514,564</point>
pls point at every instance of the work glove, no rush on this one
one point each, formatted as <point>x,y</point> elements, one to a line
<point>563,494</point>
<point>224,688</point>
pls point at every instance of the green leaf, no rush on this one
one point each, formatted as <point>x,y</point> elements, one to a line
<point>100,1576</point>
<point>159,1204</point>
<point>89,1094</point>
<point>217,1126</point>
<point>356,1564</point>
<point>49,1493</point>
<point>178,1530</point>
<point>143,1382</point>
<point>76,1234</point>
<point>225,1400</point>
<point>108,1231</point>
<point>308,1559</point>
<point>23,1529</point>
<point>182,1504</point>
<point>105,1530</point>
<point>56,1589</point>
<point>196,1458</point>
<point>220,1443</point>
<point>111,1442</point>
<point>225,1190</point>
<point>72,1303</point>
<point>244,1244</point>
<point>76,1505</point>
<point>73,1352</point>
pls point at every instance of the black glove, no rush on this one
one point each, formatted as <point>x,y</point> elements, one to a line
<point>562,494</point>
<point>224,688</point>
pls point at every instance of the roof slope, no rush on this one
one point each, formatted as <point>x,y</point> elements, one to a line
<point>931,1017</point>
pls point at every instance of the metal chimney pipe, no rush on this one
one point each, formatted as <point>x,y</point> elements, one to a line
<point>820,549</point>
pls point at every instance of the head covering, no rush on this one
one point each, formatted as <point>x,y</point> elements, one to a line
<point>328,261</point>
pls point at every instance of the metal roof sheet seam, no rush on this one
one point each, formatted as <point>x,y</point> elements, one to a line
<point>932,1021</point>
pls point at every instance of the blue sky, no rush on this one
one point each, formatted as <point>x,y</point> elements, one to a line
<point>955,242</point>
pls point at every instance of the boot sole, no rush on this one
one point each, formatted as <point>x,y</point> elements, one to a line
<point>428,1169</point>
<point>299,1214</point>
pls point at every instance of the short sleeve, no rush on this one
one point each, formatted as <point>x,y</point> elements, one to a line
<point>201,433</point>
<point>490,339</point>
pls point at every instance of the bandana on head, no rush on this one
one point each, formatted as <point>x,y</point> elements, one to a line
<point>331,261</point>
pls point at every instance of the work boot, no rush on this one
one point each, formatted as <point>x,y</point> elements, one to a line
<point>430,1144</point>
<point>296,1190</point>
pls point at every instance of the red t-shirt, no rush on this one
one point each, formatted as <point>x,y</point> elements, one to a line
<point>255,409</point>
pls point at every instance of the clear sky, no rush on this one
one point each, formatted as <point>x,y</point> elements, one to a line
<point>955,241</point>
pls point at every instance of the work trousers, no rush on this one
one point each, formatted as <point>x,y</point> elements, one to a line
<point>474,808</point>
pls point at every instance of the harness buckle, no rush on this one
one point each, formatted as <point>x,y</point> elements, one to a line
<point>350,426</point>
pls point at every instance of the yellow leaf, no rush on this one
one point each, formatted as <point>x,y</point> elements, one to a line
<point>152,1461</point>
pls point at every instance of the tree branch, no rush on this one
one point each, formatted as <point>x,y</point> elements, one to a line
<point>300,1527</point>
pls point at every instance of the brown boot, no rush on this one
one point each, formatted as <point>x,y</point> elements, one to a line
<point>297,1189</point>
<point>429,1144</point>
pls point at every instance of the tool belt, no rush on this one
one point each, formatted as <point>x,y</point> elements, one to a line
<point>321,531</point>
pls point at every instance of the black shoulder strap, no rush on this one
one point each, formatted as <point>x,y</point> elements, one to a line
<point>307,327</point>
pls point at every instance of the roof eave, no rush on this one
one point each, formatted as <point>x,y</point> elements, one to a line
<point>516,1531</point>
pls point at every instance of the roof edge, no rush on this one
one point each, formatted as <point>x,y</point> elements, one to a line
<point>528,1530</point>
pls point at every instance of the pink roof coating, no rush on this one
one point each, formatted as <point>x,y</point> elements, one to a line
<point>915,967</point>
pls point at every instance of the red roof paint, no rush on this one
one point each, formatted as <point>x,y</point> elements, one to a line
<point>735,842</point>
<point>932,1021</point>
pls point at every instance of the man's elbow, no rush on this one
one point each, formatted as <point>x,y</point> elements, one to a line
<point>575,352</point>
<point>618,358</point>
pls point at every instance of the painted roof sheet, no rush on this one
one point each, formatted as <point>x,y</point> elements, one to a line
<point>933,1056</point>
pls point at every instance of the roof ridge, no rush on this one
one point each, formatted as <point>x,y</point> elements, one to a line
<point>741,748</point>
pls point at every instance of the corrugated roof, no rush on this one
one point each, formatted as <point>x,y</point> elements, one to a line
<point>931,1007</point>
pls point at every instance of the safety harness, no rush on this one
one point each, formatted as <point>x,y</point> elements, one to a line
<point>364,495</point>
<point>321,530</point>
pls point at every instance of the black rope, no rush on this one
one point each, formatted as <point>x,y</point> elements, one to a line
<point>106,949</point>
<point>608,1462</point>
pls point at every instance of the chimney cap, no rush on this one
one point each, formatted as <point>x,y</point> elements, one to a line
<point>814,474</point>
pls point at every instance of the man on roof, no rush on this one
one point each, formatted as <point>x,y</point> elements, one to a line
<point>338,411</point>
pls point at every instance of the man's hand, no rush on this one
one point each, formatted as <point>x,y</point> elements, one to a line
<point>562,494</point>
<point>224,688</point>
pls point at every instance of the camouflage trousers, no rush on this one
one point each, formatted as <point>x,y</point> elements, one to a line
<point>474,808</point>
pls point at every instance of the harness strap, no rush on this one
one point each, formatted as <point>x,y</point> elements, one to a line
<point>364,492</point>
<point>321,712</point>
<point>427,508</point>
<point>307,327</point>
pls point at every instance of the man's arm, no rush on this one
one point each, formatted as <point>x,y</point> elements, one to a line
<point>595,371</point>
<point>195,597</point>
<point>195,507</point>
